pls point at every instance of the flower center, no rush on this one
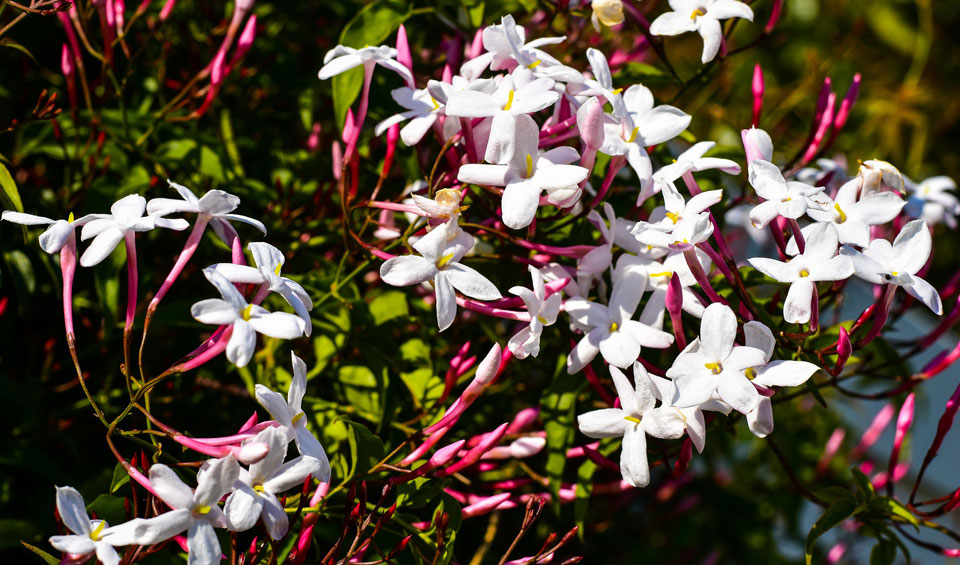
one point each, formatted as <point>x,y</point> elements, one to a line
<point>542,320</point>
<point>201,510</point>
<point>633,135</point>
<point>673,217</point>
<point>435,105</point>
<point>662,274</point>
<point>509,101</point>
<point>247,312</point>
<point>614,326</point>
<point>95,534</point>
<point>276,269</point>
<point>715,368</point>
<point>617,90</point>
<point>697,13</point>
<point>534,64</point>
<point>258,488</point>
<point>804,273</point>
<point>529,165</point>
<point>444,260</point>
<point>632,419</point>
<point>894,273</point>
<point>448,197</point>
<point>70,218</point>
<point>842,216</point>
<point>751,373</point>
<point>297,418</point>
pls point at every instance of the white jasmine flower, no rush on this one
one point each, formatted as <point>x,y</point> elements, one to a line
<point>440,262</point>
<point>543,312</point>
<point>712,364</point>
<point>930,201</point>
<point>216,205</point>
<point>528,174</point>
<point>782,198</point>
<point>196,511</point>
<point>899,263</point>
<point>640,126</point>
<point>504,43</point>
<point>422,111</point>
<point>255,492</point>
<point>342,58</point>
<point>692,161</point>
<point>818,262</point>
<point>126,216</point>
<point>685,234</point>
<point>610,329</point>
<point>56,236</point>
<point>658,281</point>
<point>269,260</point>
<point>636,418</point>
<point>89,536</point>
<point>289,415</point>
<point>853,217</point>
<point>247,319</point>
<point>606,12</point>
<point>703,17</point>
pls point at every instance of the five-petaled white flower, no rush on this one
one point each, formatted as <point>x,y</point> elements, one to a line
<point>543,312</point>
<point>930,201</point>
<point>610,329</point>
<point>528,174</point>
<point>247,319</point>
<point>685,235</point>
<point>781,198</point>
<point>53,238</point>
<point>640,126</point>
<point>126,216</point>
<point>712,364</point>
<point>89,536</point>
<point>690,161</point>
<point>269,261</point>
<point>818,262</point>
<point>703,17</point>
<point>440,262</point>
<point>255,492</point>
<point>853,217</point>
<point>216,205</point>
<point>342,58</point>
<point>504,43</point>
<point>899,263</point>
<point>422,111</point>
<point>288,414</point>
<point>636,418</point>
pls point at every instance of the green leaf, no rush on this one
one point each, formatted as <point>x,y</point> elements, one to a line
<point>557,412</point>
<point>47,558</point>
<point>229,143</point>
<point>211,165</point>
<point>475,13</point>
<point>883,553</point>
<point>389,305</point>
<point>109,508</point>
<point>7,42</point>
<point>120,478</point>
<point>864,486</point>
<point>890,505</point>
<point>366,449</point>
<point>371,26</point>
<point>833,516</point>
<point>10,193</point>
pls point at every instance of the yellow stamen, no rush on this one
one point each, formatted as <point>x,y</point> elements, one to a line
<point>95,534</point>
<point>70,217</point>
<point>632,419</point>
<point>804,273</point>
<point>673,217</point>
<point>843,217</point>
<point>715,368</point>
<point>509,101</point>
<point>696,13</point>
<point>617,90</point>
<point>202,510</point>
<point>529,165</point>
<point>542,319</point>
<point>662,274</point>
<point>894,273</point>
<point>247,312</point>
<point>258,488</point>
<point>444,260</point>
<point>751,373</point>
<point>297,418</point>
<point>276,271</point>
<point>614,326</point>
<point>435,105</point>
<point>534,64</point>
<point>633,134</point>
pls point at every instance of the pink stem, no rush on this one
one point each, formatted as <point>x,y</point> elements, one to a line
<point>904,420</point>
<point>616,163</point>
<point>489,441</point>
<point>129,240</point>
<point>482,308</point>
<point>558,127</point>
<point>216,345</point>
<point>68,268</point>
<point>362,113</point>
<point>697,269</point>
<point>188,250</point>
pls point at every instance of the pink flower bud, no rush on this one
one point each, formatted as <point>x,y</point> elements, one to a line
<point>757,144</point>
<point>523,420</point>
<point>757,93</point>
<point>844,349</point>
<point>774,16</point>
<point>217,68</point>
<point>476,47</point>
<point>403,48</point>
<point>485,505</point>
<point>904,420</point>
<point>830,449</point>
<point>870,437</point>
<point>247,36</point>
<point>590,123</point>
<point>167,8</point>
<point>844,112</point>
<point>66,61</point>
<point>241,8</point>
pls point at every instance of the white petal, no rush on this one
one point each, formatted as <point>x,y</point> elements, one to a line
<point>785,373</point>
<point>149,531</point>
<point>101,246</point>
<point>760,421</point>
<point>633,458</point>
<point>310,446</point>
<point>758,335</point>
<point>737,391</point>
<point>797,307</point>
<point>620,349</point>
<point>626,391</point>
<point>25,219</point>
<point>239,273</point>
<point>519,204</point>
<point>275,404</point>
<point>724,9</point>
<point>293,473</point>
<point>489,175</point>
<point>446,301</point>
<point>406,270</point>
<point>242,344</point>
<point>78,545</point>
<point>242,509</point>
<point>662,123</point>
<point>672,23</point>
<point>202,544</point>
<point>55,237</point>
<point>585,351</point>
<point>107,555</point>
<point>338,65</point>
<point>926,293</point>
<point>213,311</point>
<point>712,36</point>
<point>911,248</point>
<point>470,282</point>
<point>718,329</point>
<point>664,423</point>
<point>280,325</point>
<point>169,487</point>
<point>608,422</point>
<point>274,517</point>
<point>215,479</point>
<point>73,511</point>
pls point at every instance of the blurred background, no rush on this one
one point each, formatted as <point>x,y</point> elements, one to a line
<point>267,137</point>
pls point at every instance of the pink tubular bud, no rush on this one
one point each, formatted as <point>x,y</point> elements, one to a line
<point>66,61</point>
<point>944,425</point>
<point>523,420</point>
<point>757,88</point>
<point>870,437</point>
<point>241,8</point>
<point>757,144</point>
<point>774,16</point>
<point>904,420</point>
<point>844,112</point>
<point>826,120</point>
<point>674,304</point>
<point>167,8</point>
<point>830,449</point>
<point>590,123</point>
<point>247,36</point>
<point>844,349</point>
<point>485,374</point>
<point>217,68</point>
<point>476,47</point>
<point>472,456</point>
<point>403,48</point>
<point>485,505</point>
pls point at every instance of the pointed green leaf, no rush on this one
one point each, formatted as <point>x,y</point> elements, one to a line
<point>833,516</point>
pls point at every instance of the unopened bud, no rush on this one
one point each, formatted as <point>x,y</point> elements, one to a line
<point>590,123</point>
<point>66,61</point>
<point>757,144</point>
